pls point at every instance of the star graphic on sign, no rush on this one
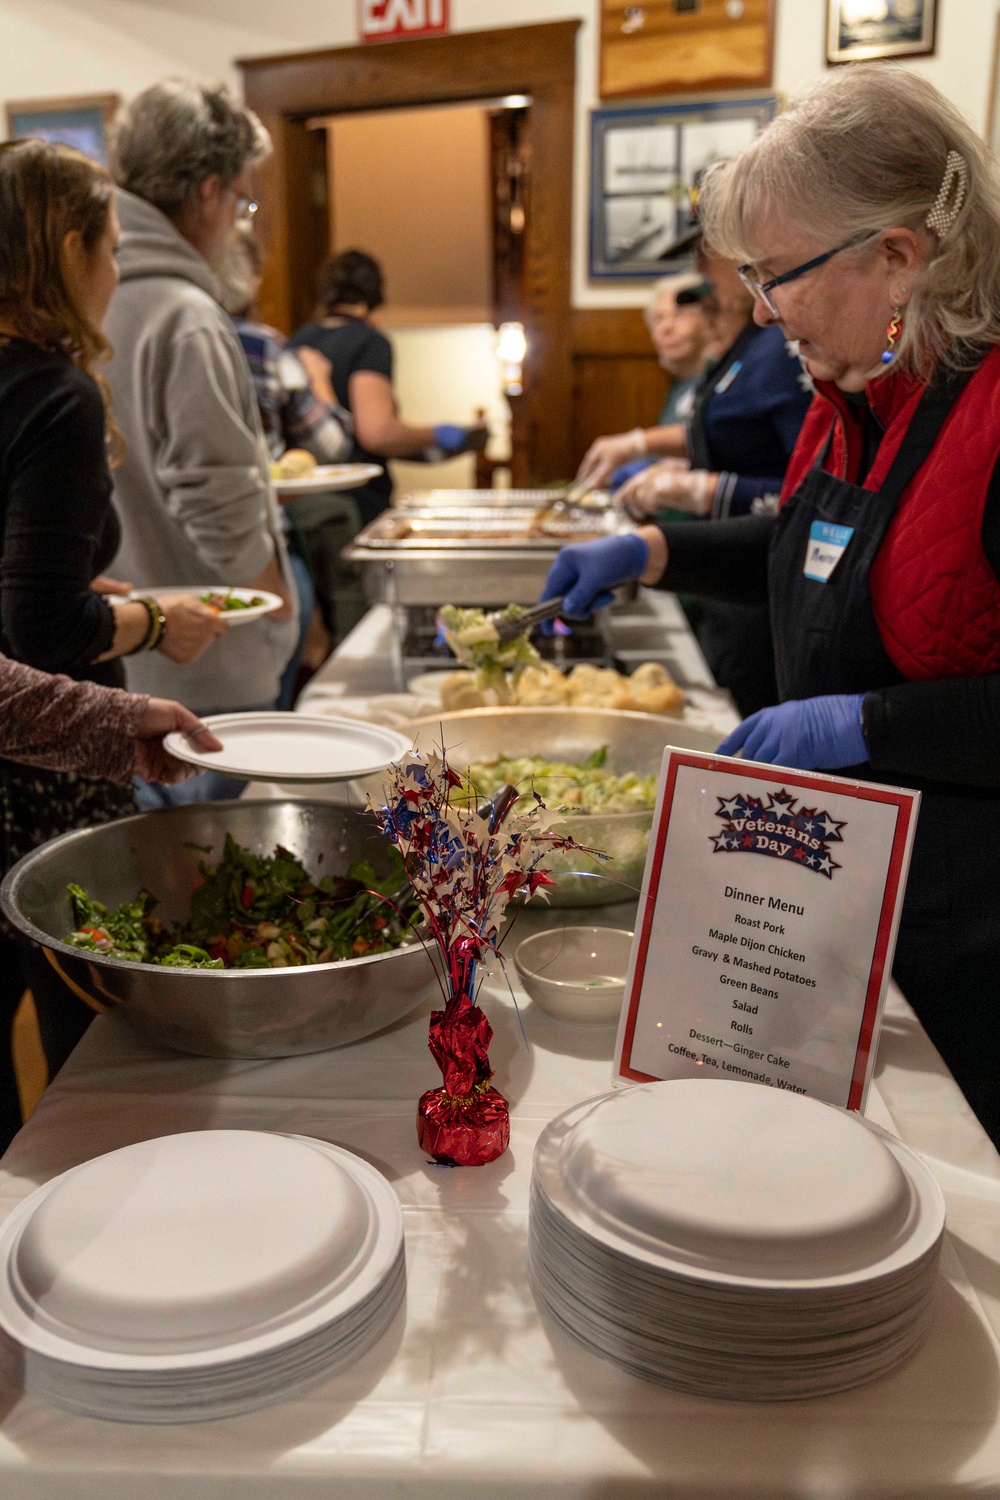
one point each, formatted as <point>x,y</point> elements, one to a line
<point>746,841</point>
<point>731,807</point>
<point>799,854</point>
<point>825,827</point>
<point>782,799</point>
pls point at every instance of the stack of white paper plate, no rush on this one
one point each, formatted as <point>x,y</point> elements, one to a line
<point>730,1239</point>
<point>200,1275</point>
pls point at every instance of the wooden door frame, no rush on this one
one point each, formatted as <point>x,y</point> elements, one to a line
<point>539,60</point>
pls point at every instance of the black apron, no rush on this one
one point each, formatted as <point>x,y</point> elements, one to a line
<point>826,640</point>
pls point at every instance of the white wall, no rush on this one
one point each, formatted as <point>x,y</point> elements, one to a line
<point>53,47</point>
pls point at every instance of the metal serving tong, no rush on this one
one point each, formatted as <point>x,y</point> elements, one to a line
<point>509,628</point>
<point>562,499</point>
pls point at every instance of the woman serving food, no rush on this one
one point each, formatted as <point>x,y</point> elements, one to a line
<point>867,223</point>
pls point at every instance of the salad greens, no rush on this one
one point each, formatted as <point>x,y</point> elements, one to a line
<point>474,640</point>
<point>567,786</point>
<point>256,912</point>
<point>226,601</point>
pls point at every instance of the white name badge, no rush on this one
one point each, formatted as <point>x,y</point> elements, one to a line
<point>768,922</point>
<point>827,544</point>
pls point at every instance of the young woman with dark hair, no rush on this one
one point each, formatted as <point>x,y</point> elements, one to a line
<point>58,529</point>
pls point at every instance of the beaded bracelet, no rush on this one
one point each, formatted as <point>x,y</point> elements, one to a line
<point>157,625</point>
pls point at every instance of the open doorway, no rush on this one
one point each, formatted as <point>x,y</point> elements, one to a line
<point>439,196</point>
<point>537,61</point>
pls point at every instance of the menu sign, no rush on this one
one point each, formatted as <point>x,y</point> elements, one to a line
<point>772,901</point>
<point>389,20</point>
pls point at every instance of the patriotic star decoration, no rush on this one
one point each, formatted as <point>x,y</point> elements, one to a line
<point>464,874</point>
<point>790,821</point>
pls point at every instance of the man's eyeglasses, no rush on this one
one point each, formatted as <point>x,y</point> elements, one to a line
<point>763,289</point>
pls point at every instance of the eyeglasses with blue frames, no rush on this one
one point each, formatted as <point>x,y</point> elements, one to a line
<point>763,289</point>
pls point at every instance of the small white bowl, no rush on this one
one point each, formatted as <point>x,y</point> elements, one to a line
<point>576,973</point>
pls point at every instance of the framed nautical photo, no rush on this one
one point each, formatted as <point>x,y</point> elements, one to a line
<point>83,122</point>
<point>645,167</point>
<point>860,30</point>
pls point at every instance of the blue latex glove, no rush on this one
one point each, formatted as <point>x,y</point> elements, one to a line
<point>626,472</point>
<point>809,733</point>
<point>450,438</point>
<point>585,572</point>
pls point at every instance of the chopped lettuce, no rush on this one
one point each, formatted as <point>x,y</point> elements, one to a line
<point>565,786</point>
<point>473,638</point>
<point>257,912</point>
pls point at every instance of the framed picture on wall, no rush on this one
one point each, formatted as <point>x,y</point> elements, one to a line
<point>83,122</point>
<point>859,30</point>
<point>685,46</point>
<point>645,166</point>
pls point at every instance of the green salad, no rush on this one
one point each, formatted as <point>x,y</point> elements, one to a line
<point>473,638</point>
<point>226,600</point>
<point>256,912</point>
<point>567,786</point>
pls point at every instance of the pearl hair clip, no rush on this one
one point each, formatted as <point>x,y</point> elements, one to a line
<point>951,195</point>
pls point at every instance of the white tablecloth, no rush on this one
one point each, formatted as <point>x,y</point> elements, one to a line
<point>470,1391</point>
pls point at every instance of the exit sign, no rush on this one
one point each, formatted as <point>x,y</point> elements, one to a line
<point>387,20</point>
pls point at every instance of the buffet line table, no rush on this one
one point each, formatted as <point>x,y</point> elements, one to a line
<point>471,1390</point>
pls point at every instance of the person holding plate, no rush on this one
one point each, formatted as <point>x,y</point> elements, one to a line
<point>867,223</point>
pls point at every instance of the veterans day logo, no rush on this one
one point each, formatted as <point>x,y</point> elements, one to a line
<point>778,830</point>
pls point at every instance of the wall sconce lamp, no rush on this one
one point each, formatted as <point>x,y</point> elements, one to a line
<point>512,347</point>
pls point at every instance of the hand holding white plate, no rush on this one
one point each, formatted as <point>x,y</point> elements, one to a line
<point>236,606</point>
<point>292,747</point>
<point>326,477</point>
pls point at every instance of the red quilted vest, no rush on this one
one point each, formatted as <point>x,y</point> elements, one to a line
<point>935,596</point>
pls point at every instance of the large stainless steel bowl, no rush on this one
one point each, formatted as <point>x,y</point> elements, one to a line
<point>216,1012</point>
<point>635,742</point>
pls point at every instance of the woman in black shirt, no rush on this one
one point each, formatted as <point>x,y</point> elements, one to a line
<point>350,290</point>
<point>58,530</point>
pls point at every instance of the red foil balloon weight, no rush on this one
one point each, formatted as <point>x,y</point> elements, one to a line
<point>467,864</point>
<point>465,1123</point>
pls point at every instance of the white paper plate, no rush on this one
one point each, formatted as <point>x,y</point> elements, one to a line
<point>825,1199</point>
<point>329,477</point>
<point>231,616</point>
<point>428,684</point>
<point>196,1252</point>
<point>293,747</point>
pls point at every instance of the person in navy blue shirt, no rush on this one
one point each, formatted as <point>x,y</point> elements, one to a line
<point>729,459</point>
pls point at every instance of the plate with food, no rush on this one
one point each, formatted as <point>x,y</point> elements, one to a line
<point>240,606</point>
<point>297,473</point>
<point>287,747</point>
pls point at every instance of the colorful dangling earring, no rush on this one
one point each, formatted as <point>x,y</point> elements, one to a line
<point>892,333</point>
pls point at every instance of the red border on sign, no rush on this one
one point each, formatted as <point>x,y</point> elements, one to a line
<point>861,793</point>
<point>403,33</point>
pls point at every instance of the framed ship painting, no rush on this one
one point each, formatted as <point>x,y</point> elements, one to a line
<point>860,30</point>
<point>645,167</point>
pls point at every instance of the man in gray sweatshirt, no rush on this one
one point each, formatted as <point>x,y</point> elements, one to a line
<point>193,492</point>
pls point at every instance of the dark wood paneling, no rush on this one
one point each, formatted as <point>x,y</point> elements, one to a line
<point>536,60</point>
<point>617,383</point>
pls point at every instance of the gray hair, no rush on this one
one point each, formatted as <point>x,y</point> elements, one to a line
<point>684,281</point>
<point>173,136</point>
<point>867,150</point>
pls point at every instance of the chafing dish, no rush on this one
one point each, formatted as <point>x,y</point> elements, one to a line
<point>480,554</point>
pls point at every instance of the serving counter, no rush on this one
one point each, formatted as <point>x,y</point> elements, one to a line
<point>471,1391</point>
